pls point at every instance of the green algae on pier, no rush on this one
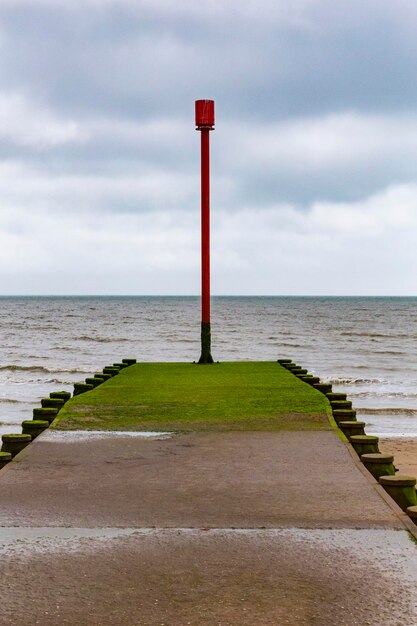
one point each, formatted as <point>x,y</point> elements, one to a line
<point>184,397</point>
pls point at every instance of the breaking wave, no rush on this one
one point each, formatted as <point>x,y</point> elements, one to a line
<point>40,368</point>
<point>354,381</point>
<point>388,411</point>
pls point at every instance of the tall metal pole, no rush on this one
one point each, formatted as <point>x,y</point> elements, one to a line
<point>204,119</point>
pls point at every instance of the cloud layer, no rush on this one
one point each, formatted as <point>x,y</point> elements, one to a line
<point>314,157</point>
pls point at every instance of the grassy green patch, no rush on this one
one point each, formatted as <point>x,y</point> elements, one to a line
<point>185,396</point>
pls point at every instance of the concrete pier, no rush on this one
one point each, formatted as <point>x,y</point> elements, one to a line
<point>202,528</point>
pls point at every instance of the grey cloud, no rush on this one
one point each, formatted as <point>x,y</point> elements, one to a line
<point>112,84</point>
<point>135,62</point>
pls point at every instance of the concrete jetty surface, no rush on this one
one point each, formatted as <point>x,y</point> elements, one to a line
<point>204,528</point>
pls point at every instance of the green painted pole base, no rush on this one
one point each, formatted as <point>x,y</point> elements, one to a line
<point>205,343</point>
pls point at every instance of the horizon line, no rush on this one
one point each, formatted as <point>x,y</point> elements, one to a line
<point>131,295</point>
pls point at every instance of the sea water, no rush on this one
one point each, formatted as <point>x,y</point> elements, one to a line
<point>367,347</point>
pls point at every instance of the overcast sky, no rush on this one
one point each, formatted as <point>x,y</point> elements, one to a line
<point>314,156</point>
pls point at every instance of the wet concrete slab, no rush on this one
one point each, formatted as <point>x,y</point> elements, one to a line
<point>174,577</point>
<point>213,480</point>
<point>202,529</point>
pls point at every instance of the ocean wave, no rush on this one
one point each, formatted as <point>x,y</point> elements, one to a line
<point>377,335</point>
<point>384,367</point>
<point>24,368</point>
<point>60,381</point>
<point>353,381</point>
<point>10,401</point>
<point>382,394</point>
<point>387,411</point>
<point>177,340</point>
<point>40,368</point>
<point>394,352</point>
<point>35,327</point>
<point>44,381</point>
<point>102,339</point>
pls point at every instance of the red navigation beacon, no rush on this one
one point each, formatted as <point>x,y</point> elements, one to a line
<point>204,114</point>
<point>204,121</point>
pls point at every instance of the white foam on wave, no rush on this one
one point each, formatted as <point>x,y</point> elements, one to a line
<point>352,381</point>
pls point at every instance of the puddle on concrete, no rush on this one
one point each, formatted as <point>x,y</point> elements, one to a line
<point>67,436</point>
<point>391,550</point>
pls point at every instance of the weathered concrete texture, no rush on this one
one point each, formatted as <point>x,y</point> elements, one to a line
<point>217,480</point>
<point>204,529</point>
<point>232,578</point>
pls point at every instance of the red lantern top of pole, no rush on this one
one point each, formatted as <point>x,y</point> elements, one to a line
<point>204,114</point>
